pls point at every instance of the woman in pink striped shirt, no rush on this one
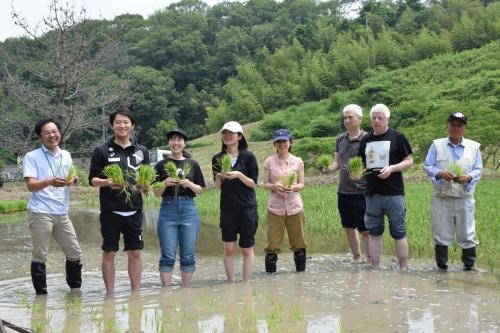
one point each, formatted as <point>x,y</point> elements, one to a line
<point>284,177</point>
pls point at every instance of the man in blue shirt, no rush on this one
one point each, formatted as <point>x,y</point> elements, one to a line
<point>453,202</point>
<point>45,171</point>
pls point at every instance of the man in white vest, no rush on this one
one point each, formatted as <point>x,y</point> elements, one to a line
<point>455,166</point>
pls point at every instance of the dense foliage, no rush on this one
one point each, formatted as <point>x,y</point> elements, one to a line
<point>420,97</point>
<point>196,66</point>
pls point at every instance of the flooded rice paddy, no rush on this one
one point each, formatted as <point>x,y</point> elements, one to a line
<point>333,295</point>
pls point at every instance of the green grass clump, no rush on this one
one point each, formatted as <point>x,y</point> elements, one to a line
<point>288,180</point>
<point>355,167</point>
<point>11,206</point>
<point>324,161</point>
<point>456,169</point>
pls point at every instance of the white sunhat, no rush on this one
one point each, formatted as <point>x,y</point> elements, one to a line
<point>232,126</point>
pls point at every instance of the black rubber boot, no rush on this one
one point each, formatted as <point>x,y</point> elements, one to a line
<point>468,258</point>
<point>38,276</point>
<point>271,260</point>
<point>299,257</point>
<point>74,274</point>
<point>441,256</point>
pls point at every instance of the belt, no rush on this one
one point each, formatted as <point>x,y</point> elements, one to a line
<point>171,198</point>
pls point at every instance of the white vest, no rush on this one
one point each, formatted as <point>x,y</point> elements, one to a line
<point>443,160</point>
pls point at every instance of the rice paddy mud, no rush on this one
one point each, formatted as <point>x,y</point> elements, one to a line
<point>333,295</point>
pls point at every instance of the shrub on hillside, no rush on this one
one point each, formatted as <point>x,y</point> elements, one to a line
<point>310,148</point>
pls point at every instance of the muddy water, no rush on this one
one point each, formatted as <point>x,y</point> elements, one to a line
<point>332,296</point>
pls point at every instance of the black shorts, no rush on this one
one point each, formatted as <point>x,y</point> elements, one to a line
<point>239,221</point>
<point>113,224</point>
<point>352,211</point>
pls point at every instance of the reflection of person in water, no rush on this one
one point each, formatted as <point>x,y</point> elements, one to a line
<point>453,204</point>
<point>385,187</point>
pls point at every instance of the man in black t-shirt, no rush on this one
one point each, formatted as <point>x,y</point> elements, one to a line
<point>385,153</point>
<point>119,214</point>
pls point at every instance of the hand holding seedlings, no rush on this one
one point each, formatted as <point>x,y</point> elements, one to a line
<point>231,175</point>
<point>57,182</point>
<point>445,175</point>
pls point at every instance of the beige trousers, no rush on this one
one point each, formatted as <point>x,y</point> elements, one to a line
<point>42,226</point>
<point>453,218</point>
<point>276,225</point>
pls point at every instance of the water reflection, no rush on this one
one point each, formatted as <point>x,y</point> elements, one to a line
<point>332,296</point>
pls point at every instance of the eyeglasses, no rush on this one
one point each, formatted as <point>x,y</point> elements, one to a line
<point>47,133</point>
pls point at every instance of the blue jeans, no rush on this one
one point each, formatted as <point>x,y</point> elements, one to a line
<point>178,224</point>
<point>391,205</point>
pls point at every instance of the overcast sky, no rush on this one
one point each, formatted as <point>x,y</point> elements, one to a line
<point>34,10</point>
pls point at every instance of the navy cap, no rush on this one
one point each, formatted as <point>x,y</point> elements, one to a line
<point>282,134</point>
<point>177,131</point>
<point>458,115</point>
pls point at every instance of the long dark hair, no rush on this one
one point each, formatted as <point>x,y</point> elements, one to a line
<point>242,144</point>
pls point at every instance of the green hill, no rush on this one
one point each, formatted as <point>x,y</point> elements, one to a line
<point>420,97</point>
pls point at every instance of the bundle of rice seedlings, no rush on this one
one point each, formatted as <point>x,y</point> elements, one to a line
<point>72,175</point>
<point>145,179</point>
<point>456,170</point>
<point>355,167</point>
<point>323,162</point>
<point>114,173</point>
<point>177,173</point>
<point>288,180</point>
<point>225,163</point>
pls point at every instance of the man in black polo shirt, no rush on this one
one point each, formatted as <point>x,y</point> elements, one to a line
<point>118,213</point>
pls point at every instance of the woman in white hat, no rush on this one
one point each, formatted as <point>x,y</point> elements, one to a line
<point>238,203</point>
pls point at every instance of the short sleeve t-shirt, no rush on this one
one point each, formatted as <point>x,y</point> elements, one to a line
<point>195,175</point>
<point>235,194</point>
<point>379,151</point>
<point>347,149</point>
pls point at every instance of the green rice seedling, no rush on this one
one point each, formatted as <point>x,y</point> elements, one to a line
<point>456,170</point>
<point>355,167</point>
<point>288,180</point>
<point>225,163</point>
<point>72,175</point>
<point>175,173</point>
<point>115,174</point>
<point>145,179</point>
<point>323,162</point>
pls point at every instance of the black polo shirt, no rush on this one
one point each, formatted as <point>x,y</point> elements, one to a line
<point>129,159</point>
<point>235,194</point>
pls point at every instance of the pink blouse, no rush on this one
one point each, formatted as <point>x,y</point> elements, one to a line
<point>290,203</point>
